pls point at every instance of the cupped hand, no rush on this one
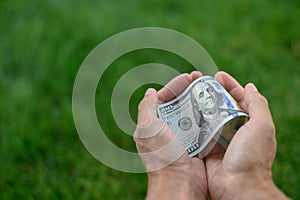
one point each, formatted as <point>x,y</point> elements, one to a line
<point>244,170</point>
<point>172,174</point>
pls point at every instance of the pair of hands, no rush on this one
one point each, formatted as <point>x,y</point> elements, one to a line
<point>244,170</point>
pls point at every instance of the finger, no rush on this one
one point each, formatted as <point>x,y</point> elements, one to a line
<point>147,108</point>
<point>148,124</point>
<point>195,75</point>
<point>259,112</point>
<point>174,87</point>
<point>232,86</point>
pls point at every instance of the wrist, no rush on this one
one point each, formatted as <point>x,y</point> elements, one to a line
<point>253,186</point>
<point>173,185</point>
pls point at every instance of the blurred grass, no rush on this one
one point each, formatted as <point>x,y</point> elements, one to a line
<point>43,43</point>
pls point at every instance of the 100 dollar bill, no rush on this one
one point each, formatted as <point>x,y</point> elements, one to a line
<point>202,115</point>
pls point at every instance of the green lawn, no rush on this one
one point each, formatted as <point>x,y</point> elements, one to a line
<point>43,43</point>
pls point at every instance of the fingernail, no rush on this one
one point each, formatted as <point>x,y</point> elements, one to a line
<point>252,87</point>
<point>149,91</point>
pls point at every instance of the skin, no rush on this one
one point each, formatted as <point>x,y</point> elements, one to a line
<point>185,177</point>
<point>242,172</point>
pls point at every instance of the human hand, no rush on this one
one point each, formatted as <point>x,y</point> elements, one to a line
<point>172,174</point>
<point>244,170</point>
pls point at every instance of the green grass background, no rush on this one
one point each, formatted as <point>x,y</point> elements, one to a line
<point>43,43</point>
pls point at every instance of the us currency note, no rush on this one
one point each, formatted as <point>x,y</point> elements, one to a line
<point>204,114</point>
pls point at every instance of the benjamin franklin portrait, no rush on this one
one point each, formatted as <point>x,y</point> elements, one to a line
<point>209,108</point>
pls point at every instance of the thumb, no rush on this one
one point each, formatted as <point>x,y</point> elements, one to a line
<point>147,108</point>
<point>259,112</point>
